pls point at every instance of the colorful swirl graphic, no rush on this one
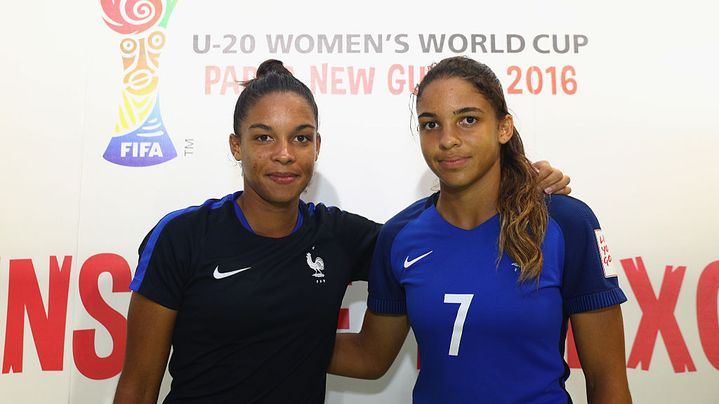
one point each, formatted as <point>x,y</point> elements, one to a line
<point>131,16</point>
<point>143,39</point>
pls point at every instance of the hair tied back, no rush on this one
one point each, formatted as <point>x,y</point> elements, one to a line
<point>272,66</point>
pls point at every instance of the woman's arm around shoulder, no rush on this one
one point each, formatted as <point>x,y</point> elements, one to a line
<point>149,336</point>
<point>551,180</point>
<point>599,335</point>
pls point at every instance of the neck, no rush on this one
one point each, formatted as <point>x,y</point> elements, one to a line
<point>470,206</point>
<point>268,219</point>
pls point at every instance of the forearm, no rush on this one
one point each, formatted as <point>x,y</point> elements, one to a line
<point>136,393</point>
<point>370,353</point>
<point>608,392</point>
<point>599,336</point>
<point>149,335</point>
<point>351,358</point>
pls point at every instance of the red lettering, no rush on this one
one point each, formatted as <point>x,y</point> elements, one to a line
<point>707,316</point>
<point>400,80</point>
<point>657,316</point>
<point>362,78</point>
<point>394,70</point>
<point>83,342</point>
<point>340,78</point>
<point>318,80</point>
<point>48,327</point>
<point>212,76</point>
<point>336,80</point>
<point>230,82</point>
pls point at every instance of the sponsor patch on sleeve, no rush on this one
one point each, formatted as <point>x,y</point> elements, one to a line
<point>604,255</point>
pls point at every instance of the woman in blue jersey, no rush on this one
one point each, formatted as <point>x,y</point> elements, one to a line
<point>247,288</point>
<point>487,271</point>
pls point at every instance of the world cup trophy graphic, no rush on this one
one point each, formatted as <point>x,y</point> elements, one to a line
<point>140,135</point>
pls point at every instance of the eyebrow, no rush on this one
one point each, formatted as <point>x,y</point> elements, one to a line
<point>467,109</point>
<point>426,115</point>
<point>457,112</point>
<point>269,128</point>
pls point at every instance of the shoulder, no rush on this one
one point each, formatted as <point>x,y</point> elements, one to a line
<point>570,213</point>
<point>589,279</point>
<point>186,221</point>
<point>399,221</point>
<point>335,216</point>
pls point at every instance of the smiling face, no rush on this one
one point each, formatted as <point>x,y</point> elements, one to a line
<point>460,134</point>
<point>278,144</point>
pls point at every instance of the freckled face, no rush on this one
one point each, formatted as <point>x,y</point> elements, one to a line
<point>278,145</point>
<point>460,134</point>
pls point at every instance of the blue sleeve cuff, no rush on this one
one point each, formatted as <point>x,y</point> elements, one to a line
<point>386,306</point>
<point>595,301</point>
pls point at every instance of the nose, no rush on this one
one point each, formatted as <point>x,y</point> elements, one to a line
<point>448,138</point>
<point>284,153</point>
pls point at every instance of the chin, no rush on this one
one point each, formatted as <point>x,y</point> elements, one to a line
<point>453,181</point>
<point>283,196</point>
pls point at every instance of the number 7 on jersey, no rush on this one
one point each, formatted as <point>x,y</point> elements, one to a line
<point>464,300</point>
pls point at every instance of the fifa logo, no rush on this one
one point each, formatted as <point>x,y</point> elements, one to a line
<point>141,138</point>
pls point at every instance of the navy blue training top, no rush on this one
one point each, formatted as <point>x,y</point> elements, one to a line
<point>256,316</point>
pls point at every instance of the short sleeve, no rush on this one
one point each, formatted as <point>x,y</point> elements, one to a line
<point>358,235</point>
<point>590,280</point>
<point>163,265</point>
<point>386,294</point>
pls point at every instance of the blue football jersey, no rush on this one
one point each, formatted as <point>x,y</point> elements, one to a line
<point>483,336</point>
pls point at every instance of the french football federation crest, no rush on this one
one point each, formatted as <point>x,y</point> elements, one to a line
<point>318,265</point>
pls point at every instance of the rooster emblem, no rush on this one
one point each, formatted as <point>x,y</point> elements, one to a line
<point>317,265</point>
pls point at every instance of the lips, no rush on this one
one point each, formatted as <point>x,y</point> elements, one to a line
<point>283,177</point>
<point>453,162</point>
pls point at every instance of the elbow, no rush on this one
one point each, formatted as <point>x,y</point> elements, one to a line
<point>367,368</point>
<point>377,370</point>
<point>135,393</point>
<point>133,397</point>
<point>359,356</point>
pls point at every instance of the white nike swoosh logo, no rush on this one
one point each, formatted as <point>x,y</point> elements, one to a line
<point>408,263</point>
<point>220,275</point>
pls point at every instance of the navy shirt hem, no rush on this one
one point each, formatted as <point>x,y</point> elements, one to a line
<point>596,301</point>
<point>386,306</point>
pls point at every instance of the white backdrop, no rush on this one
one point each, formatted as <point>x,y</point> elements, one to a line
<point>626,106</point>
